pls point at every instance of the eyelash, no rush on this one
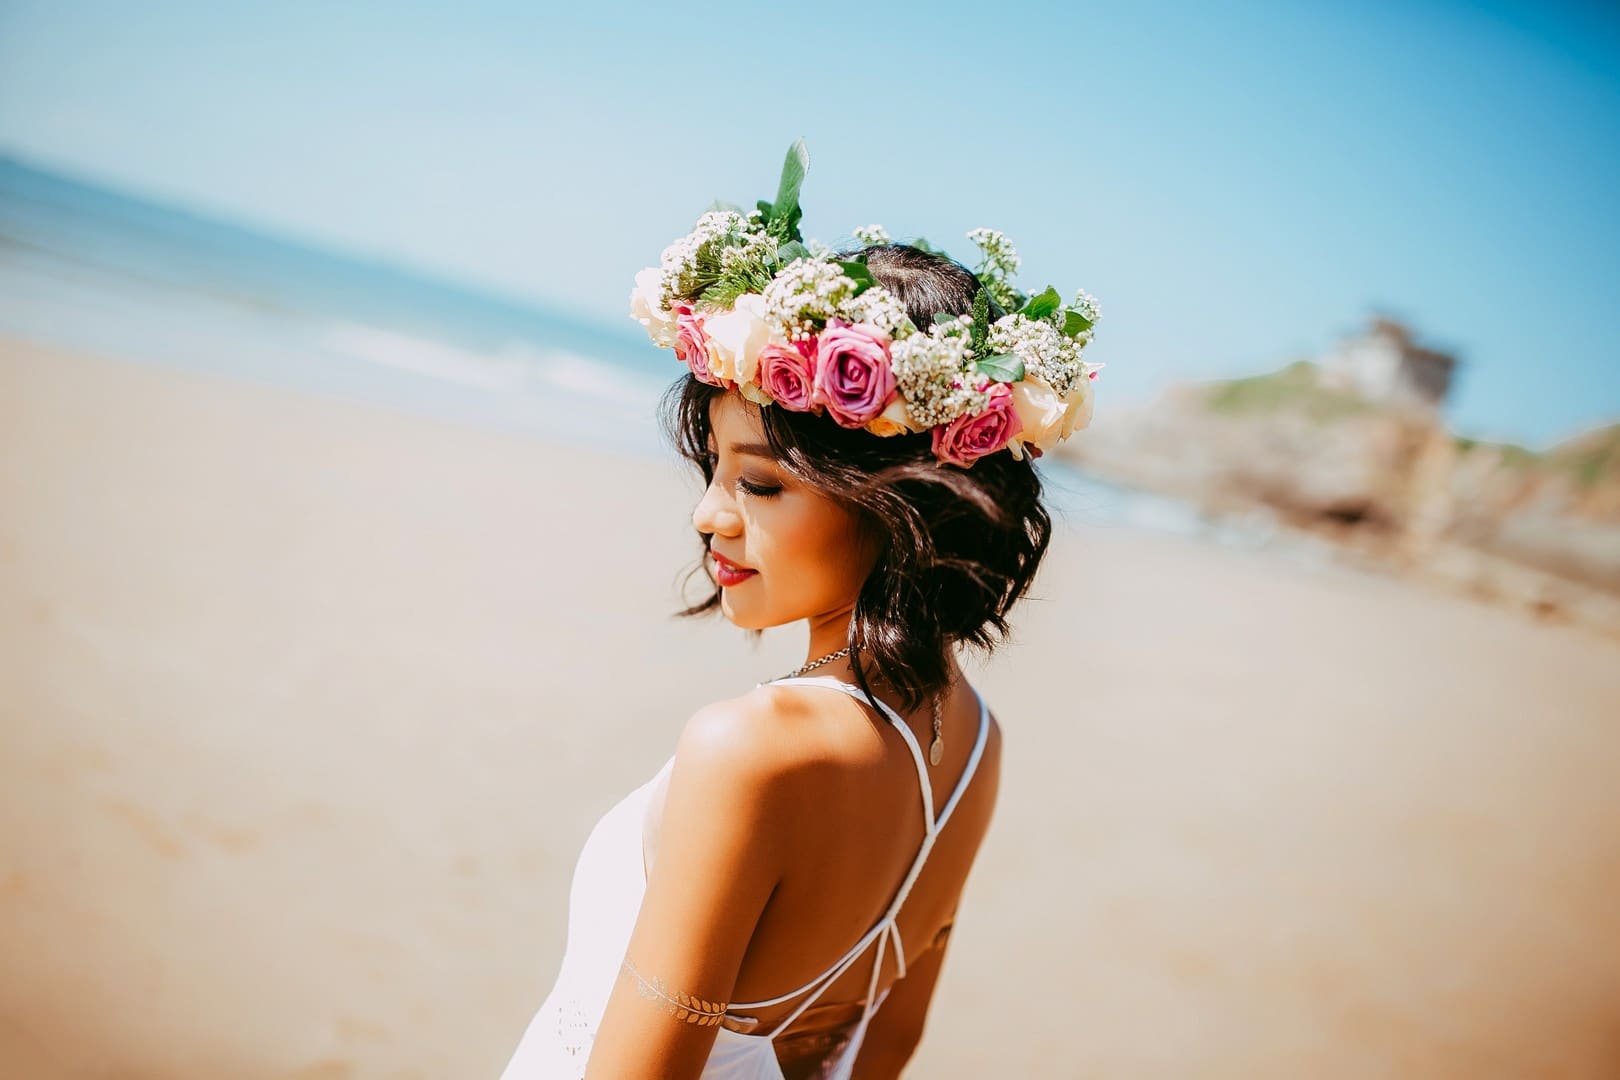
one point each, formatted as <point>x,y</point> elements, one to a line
<point>758,490</point>
<point>755,489</point>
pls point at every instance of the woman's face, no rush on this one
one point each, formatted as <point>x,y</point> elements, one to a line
<point>780,550</point>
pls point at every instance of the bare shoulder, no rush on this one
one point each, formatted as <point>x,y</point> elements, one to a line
<point>746,734</point>
<point>732,754</point>
<point>746,747</point>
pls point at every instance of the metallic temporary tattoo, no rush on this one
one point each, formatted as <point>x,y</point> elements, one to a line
<point>684,1007</point>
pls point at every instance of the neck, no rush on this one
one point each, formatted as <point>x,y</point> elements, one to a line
<point>829,633</point>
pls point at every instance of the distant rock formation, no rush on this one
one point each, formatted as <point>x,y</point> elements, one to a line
<point>1354,448</point>
<point>1384,366</point>
<point>1287,440</point>
<point>1559,510</point>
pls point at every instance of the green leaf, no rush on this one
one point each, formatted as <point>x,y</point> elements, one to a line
<point>1039,307</point>
<point>981,319</point>
<point>790,251</point>
<point>766,209</point>
<point>944,317</point>
<point>857,272</point>
<point>1002,367</point>
<point>721,204</point>
<point>1075,323</point>
<point>790,225</point>
<point>794,166</point>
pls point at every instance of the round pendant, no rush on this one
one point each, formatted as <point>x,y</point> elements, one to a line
<point>936,750</point>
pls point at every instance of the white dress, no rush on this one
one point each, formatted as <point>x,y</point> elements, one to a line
<point>605,898</point>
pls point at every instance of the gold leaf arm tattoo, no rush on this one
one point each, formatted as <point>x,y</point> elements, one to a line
<point>686,1008</point>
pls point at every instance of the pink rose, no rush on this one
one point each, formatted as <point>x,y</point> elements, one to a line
<point>692,343</point>
<point>853,378</point>
<point>973,435</point>
<point>788,372</point>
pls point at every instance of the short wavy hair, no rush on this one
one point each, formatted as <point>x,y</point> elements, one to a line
<point>957,547</point>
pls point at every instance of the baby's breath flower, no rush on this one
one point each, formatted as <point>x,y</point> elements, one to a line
<point>1087,305</point>
<point>871,235</point>
<point>803,296</point>
<point>701,252</point>
<point>1000,257</point>
<point>1045,350</point>
<point>879,307</point>
<point>935,376</point>
<point>753,248</point>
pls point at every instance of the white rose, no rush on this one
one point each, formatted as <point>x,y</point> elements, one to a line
<point>893,420</point>
<point>736,337</point>
<point>1040,411</point>
<point>1079,403</point>
<point>755,393</point>
<point>647,307</point>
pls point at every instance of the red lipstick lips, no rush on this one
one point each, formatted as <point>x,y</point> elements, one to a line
<point>728,573</point>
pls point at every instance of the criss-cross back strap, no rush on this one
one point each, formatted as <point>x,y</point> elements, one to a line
<point>886,928</point>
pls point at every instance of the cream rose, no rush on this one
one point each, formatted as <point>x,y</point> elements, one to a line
<point>647,307</point>
<point>1078,405</point>
<point>735,338</point>
<point>1041,412</point>
<point>755,393</point>
<point>894,420</point>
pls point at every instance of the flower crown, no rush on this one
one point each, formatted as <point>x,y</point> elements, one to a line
<point>747,304</point>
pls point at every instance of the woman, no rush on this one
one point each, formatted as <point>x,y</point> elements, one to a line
<point>776,901</point>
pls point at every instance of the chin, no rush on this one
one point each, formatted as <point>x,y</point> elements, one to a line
<point>745,616</point>
<point>729,610</point>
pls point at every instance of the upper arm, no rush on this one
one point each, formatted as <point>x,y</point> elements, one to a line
<point>718,862</point>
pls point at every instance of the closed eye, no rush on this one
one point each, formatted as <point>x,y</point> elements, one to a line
<point>764,491</point>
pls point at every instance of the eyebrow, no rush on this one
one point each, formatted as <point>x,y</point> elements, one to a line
<point>752,449</point>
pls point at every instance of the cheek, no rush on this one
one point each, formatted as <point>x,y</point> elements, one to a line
<point>815,549</point>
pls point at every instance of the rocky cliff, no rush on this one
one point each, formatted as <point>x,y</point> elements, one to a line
<point>1389,481</point>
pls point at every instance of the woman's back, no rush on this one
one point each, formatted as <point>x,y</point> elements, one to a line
<point>863,830</point>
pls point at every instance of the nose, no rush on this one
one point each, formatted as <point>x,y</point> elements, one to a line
<point>716,513</point>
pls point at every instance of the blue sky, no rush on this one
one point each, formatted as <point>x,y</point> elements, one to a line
<point>1239,184</point>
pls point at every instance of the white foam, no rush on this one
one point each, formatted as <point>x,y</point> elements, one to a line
<point>425,357</point>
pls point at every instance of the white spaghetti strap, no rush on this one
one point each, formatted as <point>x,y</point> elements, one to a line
<point>894,718</point>
<point>826,980</point>
<point>971,767</point>
<point>843,962</point>
<point>922,770</point>
<point>888,927</point>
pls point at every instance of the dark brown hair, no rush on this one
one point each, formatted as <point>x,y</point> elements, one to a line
<point>957,547</point>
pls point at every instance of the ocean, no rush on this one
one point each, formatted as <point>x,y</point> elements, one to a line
<point>93,269</point>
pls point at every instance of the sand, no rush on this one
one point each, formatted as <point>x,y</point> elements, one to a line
<point>306,707</point>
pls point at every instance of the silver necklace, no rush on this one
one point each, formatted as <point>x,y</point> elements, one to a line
<point>812,665</point>
<point>936,748</point>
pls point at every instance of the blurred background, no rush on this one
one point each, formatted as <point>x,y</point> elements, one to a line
<point>338,543</point>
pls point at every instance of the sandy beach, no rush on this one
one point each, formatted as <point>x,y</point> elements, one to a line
<point>306,708</point>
